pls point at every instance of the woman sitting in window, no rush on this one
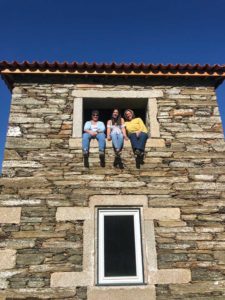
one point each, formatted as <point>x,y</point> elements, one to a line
<point>116,131</point>
<point>137,132</point>
<point>94,129</point>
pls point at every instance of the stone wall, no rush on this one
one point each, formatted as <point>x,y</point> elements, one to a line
<point>43,172</point>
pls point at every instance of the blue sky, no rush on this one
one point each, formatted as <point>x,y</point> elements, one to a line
<point>148,31</point>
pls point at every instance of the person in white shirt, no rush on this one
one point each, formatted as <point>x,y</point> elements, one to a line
<point>94,129</point>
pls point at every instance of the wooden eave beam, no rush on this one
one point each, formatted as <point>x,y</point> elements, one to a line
<point>114,73</point>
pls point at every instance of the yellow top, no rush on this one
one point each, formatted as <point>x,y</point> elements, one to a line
<point>134,125</point>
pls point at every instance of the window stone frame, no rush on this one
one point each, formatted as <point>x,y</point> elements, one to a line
<point>152,110</point>
<point>88,277</point>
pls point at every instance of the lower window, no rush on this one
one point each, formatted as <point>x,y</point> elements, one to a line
<point>119,246</point>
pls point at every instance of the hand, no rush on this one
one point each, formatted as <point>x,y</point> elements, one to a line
<point>93,133</point>
<point>138,133</point>
<point>108,138</point>
<point>125,137</point>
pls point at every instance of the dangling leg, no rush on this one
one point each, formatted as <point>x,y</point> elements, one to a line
<point>101,143</point>
<point>86,143</point>
<point>85,147</point>
<point>141,146</point>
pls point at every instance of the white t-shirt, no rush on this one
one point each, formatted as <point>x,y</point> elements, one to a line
<point>94,127</point>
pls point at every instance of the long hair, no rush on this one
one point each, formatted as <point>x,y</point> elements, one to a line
<point>116,121</point>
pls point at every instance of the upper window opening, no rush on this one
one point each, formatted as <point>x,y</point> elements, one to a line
<point>119,247</point>
<point>106,106</point>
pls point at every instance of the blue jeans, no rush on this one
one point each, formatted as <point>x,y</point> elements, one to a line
<point>138,142</point>
<point>100,137</point>
<point>117,140</point>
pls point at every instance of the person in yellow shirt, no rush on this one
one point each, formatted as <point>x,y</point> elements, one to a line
<point>137,132</point>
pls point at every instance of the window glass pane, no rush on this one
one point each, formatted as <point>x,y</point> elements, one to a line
<point>119,245</point>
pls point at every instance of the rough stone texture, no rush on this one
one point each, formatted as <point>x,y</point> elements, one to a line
<point>21,164</point>
<point>14,131</point>
<point>15,143</point>
<point>184,170</point>
<point>44,293</point>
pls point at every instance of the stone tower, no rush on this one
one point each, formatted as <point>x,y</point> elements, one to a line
<point>54,211</point>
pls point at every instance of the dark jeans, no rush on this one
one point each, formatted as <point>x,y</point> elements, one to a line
<point>138,142</point>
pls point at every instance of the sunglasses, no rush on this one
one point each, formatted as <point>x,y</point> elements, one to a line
<point>95,115</point>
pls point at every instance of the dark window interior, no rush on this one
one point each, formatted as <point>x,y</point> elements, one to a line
<point>106,106</point>
<point>119,246</point>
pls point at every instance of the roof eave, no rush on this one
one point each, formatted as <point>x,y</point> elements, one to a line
<point>219,77</point>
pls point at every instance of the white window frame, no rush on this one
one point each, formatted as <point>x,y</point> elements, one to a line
<point>139,278</point>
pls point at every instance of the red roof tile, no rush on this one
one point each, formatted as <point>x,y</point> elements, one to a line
<point>108,68</point>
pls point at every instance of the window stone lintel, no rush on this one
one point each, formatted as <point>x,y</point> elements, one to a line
<point>97,93</point>
<point>85,213</point>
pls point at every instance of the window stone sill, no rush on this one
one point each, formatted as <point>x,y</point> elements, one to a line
<point>75,143</point>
